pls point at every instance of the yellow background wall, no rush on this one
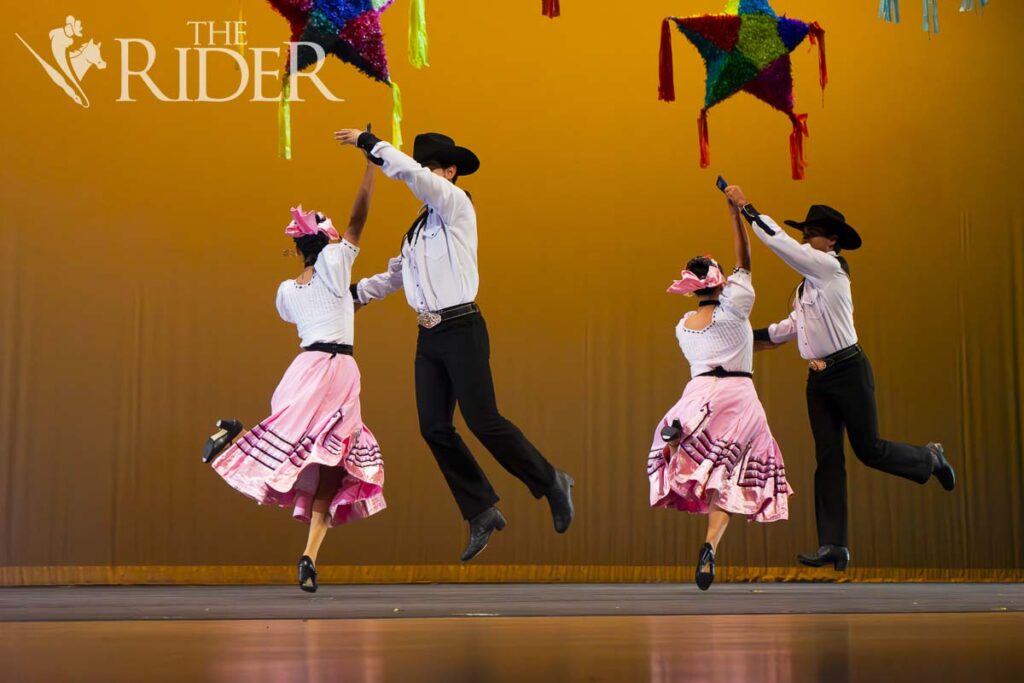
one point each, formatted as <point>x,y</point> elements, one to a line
<point>140,250</point>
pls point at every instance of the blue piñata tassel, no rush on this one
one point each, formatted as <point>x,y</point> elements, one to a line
<point>931,16</point>
<point>889,10</point>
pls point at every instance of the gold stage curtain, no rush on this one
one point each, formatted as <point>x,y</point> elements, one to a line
<point>140,250</point>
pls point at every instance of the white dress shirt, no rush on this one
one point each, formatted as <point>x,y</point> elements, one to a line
<point>728,340</point>
<point>438,268</point>
<point>822,317</point>
<point>322,308</point>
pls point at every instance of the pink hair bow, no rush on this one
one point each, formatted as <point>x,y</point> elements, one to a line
<point>304,223</point>
<point>691,283</point>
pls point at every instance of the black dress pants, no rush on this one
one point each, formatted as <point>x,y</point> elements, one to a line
<point>843,396</point>
<point>453,365</point>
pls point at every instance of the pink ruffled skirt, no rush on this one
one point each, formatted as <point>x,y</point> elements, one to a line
<point>315,421</point>
<point>727,454</point>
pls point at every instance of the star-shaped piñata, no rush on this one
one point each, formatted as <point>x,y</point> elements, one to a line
<point>350,30</point>
<point>745,48</point>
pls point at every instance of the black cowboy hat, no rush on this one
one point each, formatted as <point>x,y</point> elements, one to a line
<point>826,217</point>
<point>443,150</point>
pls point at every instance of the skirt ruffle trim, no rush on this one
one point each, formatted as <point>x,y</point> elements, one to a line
<point>293,477</point>
<point>758,492</point>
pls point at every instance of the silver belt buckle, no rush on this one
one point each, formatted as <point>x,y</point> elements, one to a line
<point>428,319</point>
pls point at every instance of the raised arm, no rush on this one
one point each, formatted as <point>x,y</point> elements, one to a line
<point>436,192</point>
<point>803,258</point>
<point>738,294</point>
<point>741,241</point>
<point>360,207</point>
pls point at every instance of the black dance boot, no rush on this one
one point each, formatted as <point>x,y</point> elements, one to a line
<point>836,555</point>
<point>707,557</point>
<point>228,430</point>
<point>941,469</point>
<point>307,572</point>
<point>480,529</point>
<point>560,499</point>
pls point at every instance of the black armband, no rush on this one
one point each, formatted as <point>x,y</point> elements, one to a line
<point>366,142</point>
<point>354,289</point>
<point>753,217</point>
<point>761,335</point>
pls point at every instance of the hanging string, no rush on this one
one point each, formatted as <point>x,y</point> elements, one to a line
<point>968,5</point>
<point>417,34</point>
<point>889,10</point>
<point>284,121</point>
<point>396,116</point>
<point>931,16</point>
<point>241,43</point>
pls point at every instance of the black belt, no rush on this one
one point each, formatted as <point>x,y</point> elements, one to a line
<point>429,319</point>
<point>821,364</point>
<point>722,372</point>
<point>328,347</point>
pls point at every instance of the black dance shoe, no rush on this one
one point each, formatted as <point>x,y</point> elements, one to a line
<point>941,469</point>
<point>836,555</point>
<point>560,499</point>
<point>480,529</point>
<point>307,572</point>
<point>228,430</point>
<point>704,579</point>
<point>672,433</point>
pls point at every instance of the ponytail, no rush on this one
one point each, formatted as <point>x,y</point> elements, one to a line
<point>844,265</point>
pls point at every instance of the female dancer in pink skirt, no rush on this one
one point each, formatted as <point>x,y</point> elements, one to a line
<point>713,452</point>
<point>313,452</point>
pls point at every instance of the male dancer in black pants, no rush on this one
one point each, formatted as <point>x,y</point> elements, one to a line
<point>437,267</point>
<point>840,383</point>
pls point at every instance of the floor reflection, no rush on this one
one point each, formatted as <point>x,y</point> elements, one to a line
<point>696,649</point>
<point>751,648</point>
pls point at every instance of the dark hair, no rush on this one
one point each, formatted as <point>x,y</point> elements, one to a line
<point>843,264</point>
<point>310,246</point>
<point>699,266</point>
<point>842,259</point>
<point>839,250</point>
<point>433,164</point>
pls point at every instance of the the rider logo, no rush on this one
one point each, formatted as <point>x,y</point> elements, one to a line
<point>70,65</point>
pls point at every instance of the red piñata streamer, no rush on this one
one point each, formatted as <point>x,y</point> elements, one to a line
<point>705,144</point>
<point>817,37</point>
<point>796,146</point>
<point>666,81</point>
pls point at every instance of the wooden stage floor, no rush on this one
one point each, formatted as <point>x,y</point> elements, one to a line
<point>643,633</point>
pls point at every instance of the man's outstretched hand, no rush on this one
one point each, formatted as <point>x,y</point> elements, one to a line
<point>766,345</point>
<point>347,136</point>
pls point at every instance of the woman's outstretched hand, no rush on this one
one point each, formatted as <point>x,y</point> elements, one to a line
<point>735,196</point>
